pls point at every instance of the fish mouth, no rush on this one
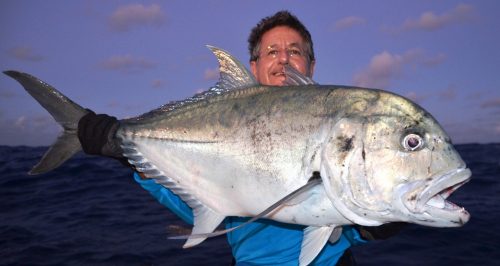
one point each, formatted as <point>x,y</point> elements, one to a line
<point>432,200</point>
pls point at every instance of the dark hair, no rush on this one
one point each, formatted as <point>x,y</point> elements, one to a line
<point>281,18</point>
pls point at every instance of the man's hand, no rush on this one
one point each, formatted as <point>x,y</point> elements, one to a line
<point>97,136</point>
<point>380,232</point>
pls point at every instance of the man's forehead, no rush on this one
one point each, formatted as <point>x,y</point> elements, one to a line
<point>282,35</point>
<point>288,45</point>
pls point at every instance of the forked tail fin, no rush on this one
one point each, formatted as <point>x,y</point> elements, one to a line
<point>65,112</point>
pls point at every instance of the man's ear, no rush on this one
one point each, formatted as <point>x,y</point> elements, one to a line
<point>311,68</point>
<point>253,68</point>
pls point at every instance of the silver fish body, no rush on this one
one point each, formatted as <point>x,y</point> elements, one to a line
<point>242,151</point>
<point>239,148</point>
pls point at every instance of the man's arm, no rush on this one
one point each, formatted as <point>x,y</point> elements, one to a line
<point>166,197</point>
<point>97,137</point>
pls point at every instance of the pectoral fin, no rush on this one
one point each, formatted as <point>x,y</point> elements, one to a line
<point>314,240</point>
<point>202,235</point>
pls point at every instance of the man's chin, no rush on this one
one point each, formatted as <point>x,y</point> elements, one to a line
<point>277,81</point>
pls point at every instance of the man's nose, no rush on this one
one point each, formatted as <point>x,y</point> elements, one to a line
<point>283,57</point>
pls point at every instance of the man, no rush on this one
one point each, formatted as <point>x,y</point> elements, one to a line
<point>274,42</point>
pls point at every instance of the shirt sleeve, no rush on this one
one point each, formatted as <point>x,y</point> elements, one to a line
<point>167,198</point>
<point>267,242</point>
<point>352,234</point>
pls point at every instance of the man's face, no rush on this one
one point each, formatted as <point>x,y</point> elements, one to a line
<point>280,46</point>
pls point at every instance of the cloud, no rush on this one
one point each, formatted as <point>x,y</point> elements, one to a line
<point>20,122</point>
<point>385,67</point>
<point>478,132</point>
<point>492,103</point>
<point>434,60</point>
<point>416,97</point>
<point>126,17</point>
<point>347,23</point>
<point>211,74</point>
<point>24,53</point>
<point>448,94</point>
<point>28,130</point>
<point>497,129</point>
<point>133,108</point>
<point>157,83</point>
<point>7,94</point>
<point>127,63</point>
<point>429,21</point>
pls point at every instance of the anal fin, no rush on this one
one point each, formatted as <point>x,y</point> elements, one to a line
<point>315,238</point>
<point>205,221</point>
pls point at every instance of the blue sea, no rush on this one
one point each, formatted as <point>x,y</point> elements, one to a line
<point>90,211</point>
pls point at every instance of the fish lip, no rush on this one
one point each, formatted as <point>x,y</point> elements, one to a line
<point>432,204</point>
<point>429,207</point>
<point>443,186</point>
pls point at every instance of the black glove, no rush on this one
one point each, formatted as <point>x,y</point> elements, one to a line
<point>380,232</point>
<point>97,136</point>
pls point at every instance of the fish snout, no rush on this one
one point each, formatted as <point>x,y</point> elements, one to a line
<point>431,203</point>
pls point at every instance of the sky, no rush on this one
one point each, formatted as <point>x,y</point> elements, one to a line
<point>125,58</point>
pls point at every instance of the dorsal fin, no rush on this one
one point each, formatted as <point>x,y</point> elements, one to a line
<point>294,77</point>
<point>233,74</point>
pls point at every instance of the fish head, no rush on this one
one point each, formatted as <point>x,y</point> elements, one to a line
<point>389,160</point>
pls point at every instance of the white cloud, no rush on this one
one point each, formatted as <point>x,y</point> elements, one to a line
<point>491,103</point>
<point>429,21</point>
<point>485,132</point>
<point>348,22</point>
<point>157,83</point>
<point>133,108</point>
<point>385,67</point>
<point>127,63</point>
<point>25,53</point>
<point>434,60</point>
<point>497,129</point>
<point>382,68</point>
<point>448,94</point>
<point>20,122</point>
<point>28,130</point>
<point>7,94</point>
<point>416,97</point>
<point>126,17</point>
<point>211,74</point>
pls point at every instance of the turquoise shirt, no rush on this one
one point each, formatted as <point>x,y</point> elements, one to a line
<point>263,242</point>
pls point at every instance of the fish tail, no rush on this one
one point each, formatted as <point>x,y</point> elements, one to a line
<point>65,112</point>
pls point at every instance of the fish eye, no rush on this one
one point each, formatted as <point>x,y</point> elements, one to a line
<point>412,142</point>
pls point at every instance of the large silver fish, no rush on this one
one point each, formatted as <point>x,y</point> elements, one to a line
<point>240,147</point>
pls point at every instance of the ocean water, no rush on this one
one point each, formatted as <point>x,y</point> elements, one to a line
<point>90,211</point>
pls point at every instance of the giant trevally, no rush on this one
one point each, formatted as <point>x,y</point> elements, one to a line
<point>240,147</point>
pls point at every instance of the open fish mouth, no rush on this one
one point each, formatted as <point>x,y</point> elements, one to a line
<point>432,200</point>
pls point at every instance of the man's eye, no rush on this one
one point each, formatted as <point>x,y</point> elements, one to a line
<point>295,52</point>
<point>272,52</point>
